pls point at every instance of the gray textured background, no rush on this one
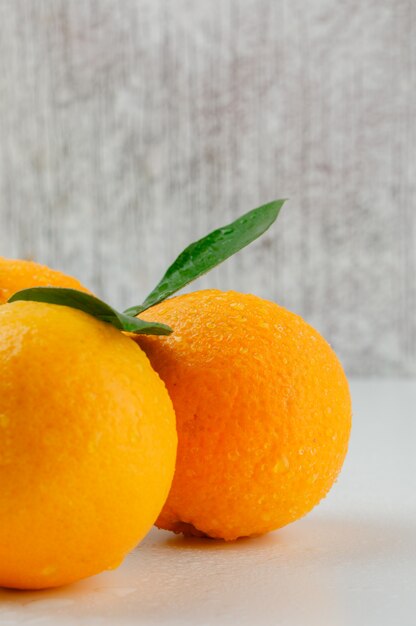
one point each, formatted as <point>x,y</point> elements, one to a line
<point>130,127</point>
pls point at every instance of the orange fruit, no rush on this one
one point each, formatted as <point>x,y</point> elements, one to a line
<point>263,413</point>
<point>17,274</point>
<point>87,445</point>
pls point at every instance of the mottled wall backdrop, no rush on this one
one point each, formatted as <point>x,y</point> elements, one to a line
<point>130,127</point>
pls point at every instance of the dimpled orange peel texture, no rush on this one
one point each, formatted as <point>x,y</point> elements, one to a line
<point>263,413</point>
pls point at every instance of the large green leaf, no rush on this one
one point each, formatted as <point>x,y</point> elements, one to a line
<point>203,255</point>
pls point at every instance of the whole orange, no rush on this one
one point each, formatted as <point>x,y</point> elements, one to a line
<point>263,413</point>
<point>87,445</point>
<point>17,274</point>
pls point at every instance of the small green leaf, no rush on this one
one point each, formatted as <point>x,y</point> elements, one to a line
<point>93,306</point>
<point>203,255</point>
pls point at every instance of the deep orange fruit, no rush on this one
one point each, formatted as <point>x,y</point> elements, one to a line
<point>87,445</point>
<point>17,274</point>
<point>263,413</point>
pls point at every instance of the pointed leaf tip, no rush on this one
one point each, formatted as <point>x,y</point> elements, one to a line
<point>203,255</point>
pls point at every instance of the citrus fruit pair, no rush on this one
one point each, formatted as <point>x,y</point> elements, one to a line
<point>263,416</point>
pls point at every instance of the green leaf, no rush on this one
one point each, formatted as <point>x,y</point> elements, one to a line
<point>203,255</point>
<point>93,306</point>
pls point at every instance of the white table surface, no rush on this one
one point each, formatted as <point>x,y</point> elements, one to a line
<point>351,562</point>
